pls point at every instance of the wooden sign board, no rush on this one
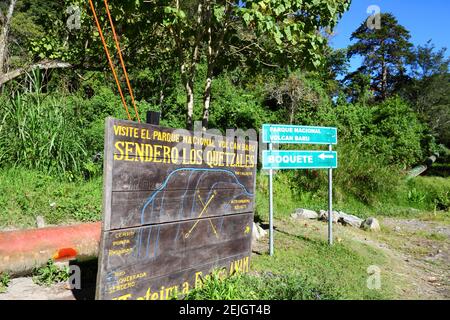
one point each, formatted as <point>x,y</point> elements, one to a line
<point>176,205</point>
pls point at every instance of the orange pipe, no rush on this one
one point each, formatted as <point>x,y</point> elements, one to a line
<point>22,250</point>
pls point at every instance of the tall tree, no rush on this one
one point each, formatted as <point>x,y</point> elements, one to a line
<point>212,28</point>
<point>428,92</point>
<point>428,61</point>
<point>292,92</point>
<point>386,52</point>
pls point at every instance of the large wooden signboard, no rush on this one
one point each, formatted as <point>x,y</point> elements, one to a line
<point>177,204</point>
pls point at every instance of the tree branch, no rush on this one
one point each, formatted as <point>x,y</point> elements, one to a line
<point>42,65</point>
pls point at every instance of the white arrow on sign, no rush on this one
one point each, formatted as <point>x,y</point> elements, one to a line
<point>324,156</point>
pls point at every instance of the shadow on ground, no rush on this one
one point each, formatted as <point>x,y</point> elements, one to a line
<point>88,279</point>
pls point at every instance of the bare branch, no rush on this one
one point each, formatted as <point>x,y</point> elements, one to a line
<point>43,65</point>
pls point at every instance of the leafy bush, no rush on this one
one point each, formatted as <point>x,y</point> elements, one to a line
<point>285,200</point>
<point>233,107</point>
<point>4,282</point>
<point>396,133</point>
<point>42,134</point>
<point>363,175</point>
<point>50,274</point>
<point>389,131</point>
<point>429,193</point>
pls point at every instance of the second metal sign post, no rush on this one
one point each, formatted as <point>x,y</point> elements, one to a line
<point>299,159</point>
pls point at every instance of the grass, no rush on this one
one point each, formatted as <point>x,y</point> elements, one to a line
<point>41,132</point>
<point>413,198</point>
<point>305,267</point>
<point>341,270</point>
<point>25,194</point>
<point>261,286</point>
<point>433,236</point>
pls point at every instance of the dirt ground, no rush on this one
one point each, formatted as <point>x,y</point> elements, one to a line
<point>418,251</point>
<point>424,249</point>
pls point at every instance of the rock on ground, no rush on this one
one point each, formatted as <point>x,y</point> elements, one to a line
<point>371,224</point>
<point>40,222</point>
<point>258,232</point>
<point>348,219</point>
<point>323,215</point>
<point>305,214</point>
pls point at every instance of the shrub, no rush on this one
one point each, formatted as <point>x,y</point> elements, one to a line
<point>4,282</point>
<point>389,131</point>
<point>429,193</point>
<point>50,274</point>
<point>232,107</point>
<point>41,134</point>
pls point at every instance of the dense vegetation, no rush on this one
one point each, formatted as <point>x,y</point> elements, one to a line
<point>227,64</point>
<point>245,66</point>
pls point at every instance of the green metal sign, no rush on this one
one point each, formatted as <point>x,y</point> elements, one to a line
<point>299,159</point>
<point>277,133</point>
<point>296,159</point>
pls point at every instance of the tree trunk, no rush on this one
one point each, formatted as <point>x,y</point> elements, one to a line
<point>188,70</point>
<point>207,97</point>
<point>209,72</point>
<point>291,117</point>
<point>188,83</point>
<point>384,82</point>
<point>384,74</point>
<point>4,35</point>
<point>213,51</point>
<point>189,86</point>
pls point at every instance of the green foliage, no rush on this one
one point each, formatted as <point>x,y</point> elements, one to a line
<point>235,107</point>
<point>363,176</point>
<point>264,286</point>
<point>42,134</point>
<point>396,133</point>
<point>390,131</point>
<point>25,194</point>
<point>285,199</point>
<point>4,281</point>
<point>217,287</point>
<point>288,286</point>
<point>57,134</point>
<point>386,52</point>
<point>429,193</point>
<point>50,274</point>
<point>279,20</point>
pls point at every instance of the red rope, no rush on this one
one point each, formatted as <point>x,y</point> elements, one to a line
<point>121,60</point>
<point>109,59</point>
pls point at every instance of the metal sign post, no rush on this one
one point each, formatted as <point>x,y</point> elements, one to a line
<point>270,207</point>
<point>330,202</point>
<point>299,159</point>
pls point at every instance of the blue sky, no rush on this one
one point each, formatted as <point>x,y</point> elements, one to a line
<point>425,19</point>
